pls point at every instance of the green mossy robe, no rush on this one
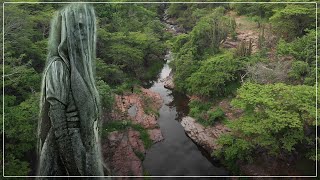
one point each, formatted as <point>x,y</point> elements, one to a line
<point>68,142</point>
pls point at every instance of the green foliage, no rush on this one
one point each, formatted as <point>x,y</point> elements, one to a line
<point>303,50</point>
<point>293,20</point>
<point>274,120</point>
<point>205,38</point>
<point>298,69</point>
<point>20,124</point>
<point>130,49</point>
<point>198,110</point>
<point>16,167</point>
<point>203,114</point>
<point>106,96</point>
<point>183,67</point>
<point>263,10</point>
<point>202,106</point>
<point>210,31</point>
<point>22,120</point>
<point>144,136</point>
<point>121,89</point>
<point>237,148</point>
<point>188,15</point>
<point>199,45</point>
<point>215,115</point>
<point>124,125</point>
<point>109,73</point>
<point>130,42</point>
<point>117,126</point>
<point>213,74</point>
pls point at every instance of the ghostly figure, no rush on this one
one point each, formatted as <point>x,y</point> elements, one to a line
<point>68,142</point>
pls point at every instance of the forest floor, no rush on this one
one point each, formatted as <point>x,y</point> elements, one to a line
<point>247,30</point>
<point>133,129</point>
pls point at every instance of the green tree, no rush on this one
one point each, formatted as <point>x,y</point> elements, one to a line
<point>20,134</point>
<point>130,41</point>
<point>276,118</point>
<point>106,96</point>
<point>210,32</point>
<point>293,20</point>
<point>303,51</point>
<point>214,75</point>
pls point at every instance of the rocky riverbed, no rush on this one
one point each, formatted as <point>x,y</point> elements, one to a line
<point>124,150</point>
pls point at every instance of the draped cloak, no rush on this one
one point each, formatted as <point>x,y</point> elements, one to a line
<point>72,42</point>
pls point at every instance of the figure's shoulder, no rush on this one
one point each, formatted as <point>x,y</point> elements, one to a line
<point>57,67</point>
<point>57,64</point>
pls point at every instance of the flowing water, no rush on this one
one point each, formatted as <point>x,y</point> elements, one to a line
<point>176,154</point>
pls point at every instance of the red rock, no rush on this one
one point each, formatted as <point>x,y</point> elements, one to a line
<point>155,135</point>
<point>124,161</point>
<point>119,148</point>
<point>135,141</point>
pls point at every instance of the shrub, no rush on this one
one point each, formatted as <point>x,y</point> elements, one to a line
<point>275,120</point>
<point>215,115</point>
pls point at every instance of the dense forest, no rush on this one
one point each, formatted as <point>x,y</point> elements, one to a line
<point>272,83</point>
<point>269,76</point>
<point>130,50</point>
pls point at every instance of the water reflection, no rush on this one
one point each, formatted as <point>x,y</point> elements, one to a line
<point>180,102</point>
<point>176,154</point>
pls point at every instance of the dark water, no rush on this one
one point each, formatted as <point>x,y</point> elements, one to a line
<point>177,154</point>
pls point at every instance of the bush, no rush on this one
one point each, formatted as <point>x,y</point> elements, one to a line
<point>303,51</point>
<point>213,75</point>
<point>293,20</point>
<point>106,96</point>
<point>215,115</point>
<point>298,70</point>
<point>202,113</point>
<point>276,118</point>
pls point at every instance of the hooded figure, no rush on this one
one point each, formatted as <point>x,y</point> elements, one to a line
<point>68,143</point>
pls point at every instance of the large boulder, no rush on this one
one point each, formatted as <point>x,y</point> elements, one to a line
<point>204,136</point>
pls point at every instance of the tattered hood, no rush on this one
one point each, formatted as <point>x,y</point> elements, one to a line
<point>73,39</point>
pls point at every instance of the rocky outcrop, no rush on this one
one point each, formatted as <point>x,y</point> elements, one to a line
<point>124,150</point>
<point>120,150</point>
<point>138,115</point>
<point>155,135</point>
<point>204,136</point>
<point>168,81</point>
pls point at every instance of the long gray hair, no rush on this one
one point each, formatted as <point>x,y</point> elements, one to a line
<point>73,39</point>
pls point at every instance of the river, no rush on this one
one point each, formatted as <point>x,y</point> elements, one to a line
<point>176,154</point>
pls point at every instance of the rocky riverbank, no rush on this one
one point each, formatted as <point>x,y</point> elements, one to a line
<point>135,115</point>
<point>206,137</point>
<point>168,81</point>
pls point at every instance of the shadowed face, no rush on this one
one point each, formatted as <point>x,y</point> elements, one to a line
<point>80,27</point>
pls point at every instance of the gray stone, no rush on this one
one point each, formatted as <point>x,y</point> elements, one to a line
<point>132,111</point>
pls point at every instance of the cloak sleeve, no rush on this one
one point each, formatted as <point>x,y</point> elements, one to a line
<point>57,89</point>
